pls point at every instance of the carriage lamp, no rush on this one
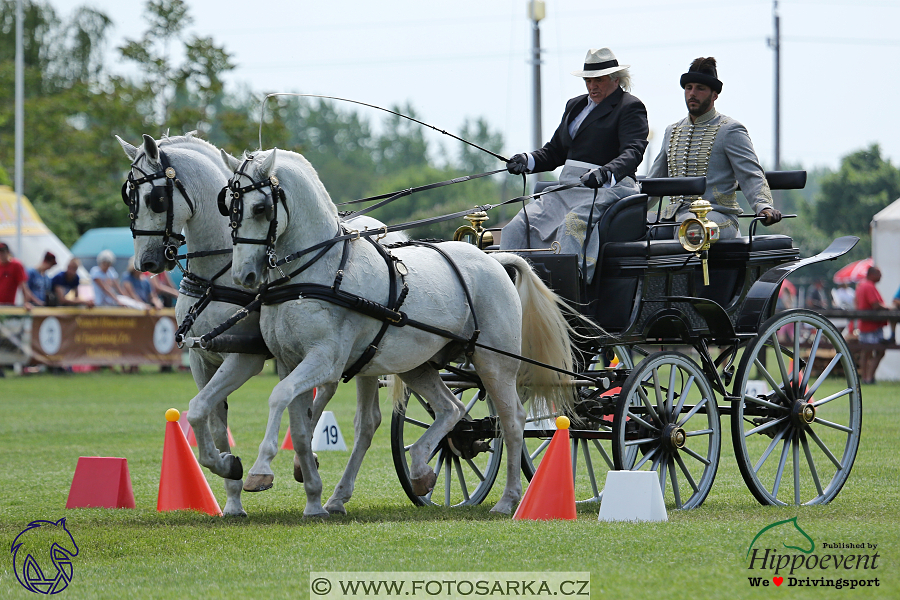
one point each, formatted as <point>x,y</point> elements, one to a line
<point>697,234</point>
<point>475,233</point>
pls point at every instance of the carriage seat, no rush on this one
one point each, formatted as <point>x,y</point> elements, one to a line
<point>736,248</point>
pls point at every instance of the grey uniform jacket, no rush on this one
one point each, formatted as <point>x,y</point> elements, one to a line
<point>718,147</point>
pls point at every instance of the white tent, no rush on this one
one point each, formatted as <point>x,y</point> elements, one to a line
<point>36,237</point>
<point>885,245</point>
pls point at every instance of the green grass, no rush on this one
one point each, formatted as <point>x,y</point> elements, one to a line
<point>49,421</point>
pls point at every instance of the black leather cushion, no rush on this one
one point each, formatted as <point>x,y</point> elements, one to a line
<point>721,249</point>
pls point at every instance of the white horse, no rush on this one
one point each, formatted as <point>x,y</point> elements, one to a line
<point>315,341</point>
<point>199,167</point>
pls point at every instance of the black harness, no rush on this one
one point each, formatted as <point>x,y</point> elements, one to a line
<point>280,290</point>
<point>235,211</point>
<point>160,200</point>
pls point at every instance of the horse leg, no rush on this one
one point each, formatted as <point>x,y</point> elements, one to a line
<point>426,381</point>
<point>324,393</point>
<point>315,369</point>
<point>231,374</point>
<point>218,421</point>
<point>366,421</point>
<point>512,423</point>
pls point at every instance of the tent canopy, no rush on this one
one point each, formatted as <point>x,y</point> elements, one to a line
<point>37,239</point>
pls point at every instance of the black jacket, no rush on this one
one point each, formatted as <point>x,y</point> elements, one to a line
<point>614,135</point>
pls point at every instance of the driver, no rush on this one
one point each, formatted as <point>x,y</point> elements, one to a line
<point>601,141</point>
<point>706,142</point>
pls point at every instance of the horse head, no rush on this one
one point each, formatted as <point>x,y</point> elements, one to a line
<point>159,205</point>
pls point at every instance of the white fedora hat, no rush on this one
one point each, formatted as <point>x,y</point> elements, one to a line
<point>598,63</point>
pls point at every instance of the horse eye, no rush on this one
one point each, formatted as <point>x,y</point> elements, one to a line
<point>259,208</point>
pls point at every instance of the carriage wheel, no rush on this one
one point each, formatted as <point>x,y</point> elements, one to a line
<point>667,411</point>
<point>816,420</point>
<point>591,458</point>
<point>466,467</point>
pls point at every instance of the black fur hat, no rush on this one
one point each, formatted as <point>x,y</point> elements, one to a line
<point>703,71</point>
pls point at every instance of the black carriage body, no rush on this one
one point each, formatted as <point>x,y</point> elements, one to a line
<point>653,292</point>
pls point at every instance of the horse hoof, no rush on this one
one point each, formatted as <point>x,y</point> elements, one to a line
<point>298,474</point>
<point>335,509</point>
<point>322,515</point>
<point>422,485</point>
<point>235,515</point>
<point>258,483</point>
<point>235,468</point>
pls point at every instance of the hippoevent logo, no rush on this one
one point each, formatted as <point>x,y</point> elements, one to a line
<point>784,554</point>
<point>42,556</point>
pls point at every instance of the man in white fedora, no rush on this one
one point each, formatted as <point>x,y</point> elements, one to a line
<point>599,142</point>
<point>707,143</point>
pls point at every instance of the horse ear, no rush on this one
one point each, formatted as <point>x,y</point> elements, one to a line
<point>268,164</point>
<point>150,148</point>
<point>130,151</point>
<point>231,162</point>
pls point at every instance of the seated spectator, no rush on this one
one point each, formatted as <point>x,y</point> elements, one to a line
<point>870,332</point>
<point>136,286</point>
<point>816,298</point>
<point>843,296</point>
<point>163,287</point>
<point>39,281</point>
<point>12,279</point>
<point>105,280</point>
<point>65,286</point>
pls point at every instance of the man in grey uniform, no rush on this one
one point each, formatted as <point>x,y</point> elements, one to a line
<point>708,143</point>
<point>599,142</point>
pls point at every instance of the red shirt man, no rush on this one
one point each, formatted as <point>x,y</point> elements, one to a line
<point>868,298</point>
<point>12,276</point>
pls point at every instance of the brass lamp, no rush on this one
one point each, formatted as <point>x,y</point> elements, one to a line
<point>697,234</point>
<point>475,233</point>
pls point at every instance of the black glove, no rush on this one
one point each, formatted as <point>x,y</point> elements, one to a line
<point>595,178</point>
<point>518,164</point>
<point>771,215</point>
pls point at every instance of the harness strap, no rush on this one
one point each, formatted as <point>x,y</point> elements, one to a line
<point>395,305</point>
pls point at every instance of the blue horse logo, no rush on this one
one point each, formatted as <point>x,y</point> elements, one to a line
<point>38,537</point>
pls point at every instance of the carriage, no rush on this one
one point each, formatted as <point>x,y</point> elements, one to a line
<point>676,354</point>
<point>787,380</point>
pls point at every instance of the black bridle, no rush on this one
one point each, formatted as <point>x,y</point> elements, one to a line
<point>235,210</point>
<point>159,200</point>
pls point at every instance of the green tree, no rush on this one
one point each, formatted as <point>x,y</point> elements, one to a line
<point>864,184</point>
<point>473,160</point>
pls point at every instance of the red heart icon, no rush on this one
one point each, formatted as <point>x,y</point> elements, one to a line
<point>778,580</point>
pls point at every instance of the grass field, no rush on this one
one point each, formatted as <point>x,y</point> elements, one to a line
<point>49,421</point>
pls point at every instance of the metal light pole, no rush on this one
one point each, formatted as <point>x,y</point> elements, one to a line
<point>20,122</point>
<point>775,44</point>
<point>536,12</point>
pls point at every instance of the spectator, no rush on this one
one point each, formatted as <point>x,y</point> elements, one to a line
<point>816,299</point>
<point>105,280</point>
<point>65,286</point>
<point>870,332</point>
<point>39,281</point>
<point>12,279</point>
<point>163,287</point>
<point>843,296</point>
<point>136,286</point>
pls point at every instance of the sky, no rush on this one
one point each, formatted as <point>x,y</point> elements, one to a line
<point>470,58</point>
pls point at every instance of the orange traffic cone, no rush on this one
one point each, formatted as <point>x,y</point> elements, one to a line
<point>287,444</point>
<point>551,494</point>
<point>182,485</point>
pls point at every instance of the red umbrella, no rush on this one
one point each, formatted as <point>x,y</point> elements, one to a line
<point>854,272</point>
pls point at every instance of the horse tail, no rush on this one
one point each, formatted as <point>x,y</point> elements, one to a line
<point>546,338</point>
